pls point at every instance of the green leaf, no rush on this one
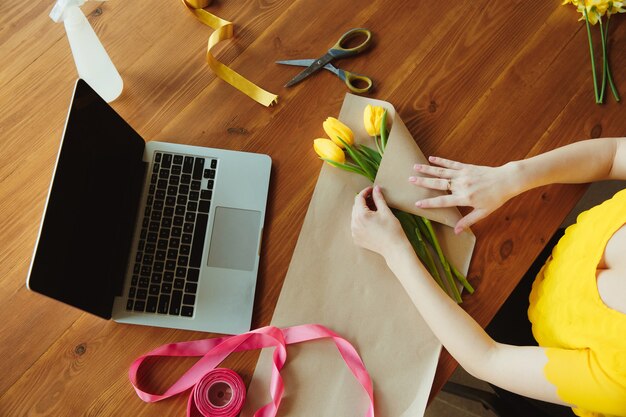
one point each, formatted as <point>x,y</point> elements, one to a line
<point>368,158</point>
<point>375,156</point>
<point>355,157</point>
<point>345,167</point>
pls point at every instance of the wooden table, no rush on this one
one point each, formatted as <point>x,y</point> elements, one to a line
<point>483,82</point>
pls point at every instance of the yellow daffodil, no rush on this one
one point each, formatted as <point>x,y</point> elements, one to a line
<point>327,149</point>
<point>596,8</point>
<point>616,7</point>
<point>372,118</point>
<point>592,12</point>
<point>336,130</point>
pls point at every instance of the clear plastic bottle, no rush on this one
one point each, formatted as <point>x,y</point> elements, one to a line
<point>91,59</point>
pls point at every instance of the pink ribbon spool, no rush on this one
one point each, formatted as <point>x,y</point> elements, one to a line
<point>220,393</point>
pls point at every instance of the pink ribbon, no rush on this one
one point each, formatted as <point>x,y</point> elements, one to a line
<point>214,351</point>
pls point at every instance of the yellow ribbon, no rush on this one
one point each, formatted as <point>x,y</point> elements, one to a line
<point>224,30</point>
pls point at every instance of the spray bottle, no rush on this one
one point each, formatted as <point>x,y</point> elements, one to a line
<point>91,59</point>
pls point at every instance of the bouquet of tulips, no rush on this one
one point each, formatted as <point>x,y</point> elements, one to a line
<point>364,160</point>
<point>592,12</point>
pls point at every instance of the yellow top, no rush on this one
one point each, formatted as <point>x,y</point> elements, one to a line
<point>585,340</point>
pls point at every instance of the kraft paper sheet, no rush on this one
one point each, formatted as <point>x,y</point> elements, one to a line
<point>333,282</point>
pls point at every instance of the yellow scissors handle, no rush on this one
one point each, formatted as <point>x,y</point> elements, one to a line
<point>356,83</point>
<point>339,50</point>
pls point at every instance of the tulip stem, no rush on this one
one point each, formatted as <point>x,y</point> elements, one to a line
<point>377,142</point>
<point>462,279</point>
<point>346,167</point>
<point>444,262</point>
<point>411,229</point>
<point>355,157</point>
<point>430,261</point>
<point>459,276</point>
<point>374,156</point>
<point>368,158</point>
<point>383,133</point>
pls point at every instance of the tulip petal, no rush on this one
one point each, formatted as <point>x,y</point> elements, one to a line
<point>327,149</point>
<point>335,129</point>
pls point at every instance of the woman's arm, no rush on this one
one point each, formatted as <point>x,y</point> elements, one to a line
<point>487,188</point>
<point>580,162</point>
<point>517,369</point>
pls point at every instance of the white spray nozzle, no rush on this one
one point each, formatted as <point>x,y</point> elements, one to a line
<point>92,61</point>
<point>61,6</point>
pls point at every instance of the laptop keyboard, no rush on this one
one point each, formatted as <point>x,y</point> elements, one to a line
<point>169,253</point>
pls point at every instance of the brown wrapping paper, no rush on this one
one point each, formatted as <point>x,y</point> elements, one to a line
<point>333,282</point>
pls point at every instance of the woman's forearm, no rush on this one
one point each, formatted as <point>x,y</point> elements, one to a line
<point>580,162</point>
<point>466,341</point>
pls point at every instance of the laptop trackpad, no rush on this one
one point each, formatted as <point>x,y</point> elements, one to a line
<point>235,239</point>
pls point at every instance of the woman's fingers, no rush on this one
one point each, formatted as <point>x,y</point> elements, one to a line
<point>379,200</point>
<point>447,200</point>
<point>434,171</point>
<point>360,201</point>
<point>474,216</point>
<point>432,183</point>
<point>446,163</point>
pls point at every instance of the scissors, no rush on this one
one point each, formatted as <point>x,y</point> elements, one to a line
<point>337,51</point>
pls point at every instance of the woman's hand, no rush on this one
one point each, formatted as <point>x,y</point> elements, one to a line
<point>376,228</point>
<point>481,187</point>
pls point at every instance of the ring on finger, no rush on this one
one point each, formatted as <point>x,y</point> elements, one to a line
<point>449,184</point>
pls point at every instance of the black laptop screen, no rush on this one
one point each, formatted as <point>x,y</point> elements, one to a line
<point>85,237</point>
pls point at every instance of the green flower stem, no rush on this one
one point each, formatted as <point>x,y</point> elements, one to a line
<point>461,278</point>
<point>412,232</point>
<point>607,67</point>
<point>443,260</point>
<point>457,274</point>
<point>430,261</point>
<point>368,158</point>
<point>384,135</point>
<point>591,53</point>
<point>374,156</point>
<point>377,142</point>
<point>429,258</point>
<point>604,61</point>
<point>356,158</point>
<point>346,167</point>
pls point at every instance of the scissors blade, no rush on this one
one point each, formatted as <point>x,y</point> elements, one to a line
<point>297,62</point>
<point>306,62</point>
<point>315,66</point>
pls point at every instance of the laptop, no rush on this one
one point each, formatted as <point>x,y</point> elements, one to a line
<point>154,233</point>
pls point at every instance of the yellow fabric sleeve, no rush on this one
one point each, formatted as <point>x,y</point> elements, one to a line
<point>581,381</point>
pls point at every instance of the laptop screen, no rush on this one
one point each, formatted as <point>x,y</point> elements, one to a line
<point>85,237</point>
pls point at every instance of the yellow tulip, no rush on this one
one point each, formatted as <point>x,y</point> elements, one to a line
<point>372,118</point>
<point>336,129</point>
<point>327,149</point>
